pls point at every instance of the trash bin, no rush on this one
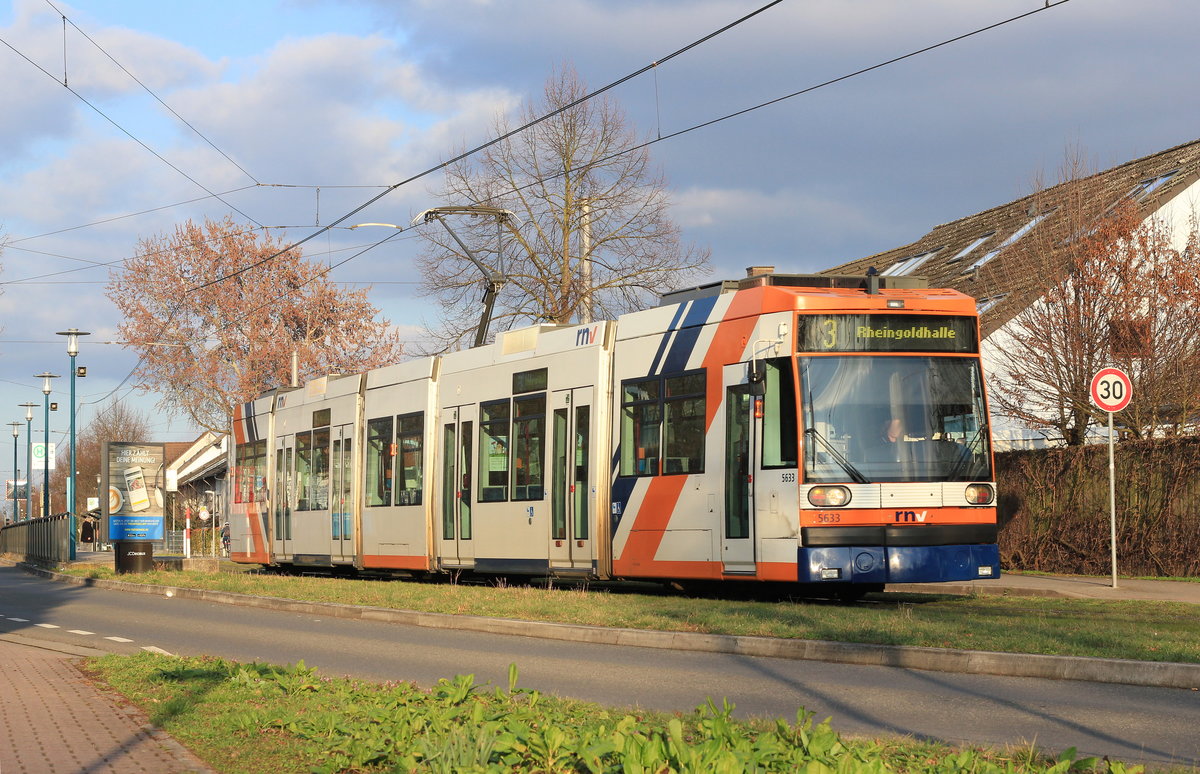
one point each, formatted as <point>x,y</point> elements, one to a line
<point>134,556</point>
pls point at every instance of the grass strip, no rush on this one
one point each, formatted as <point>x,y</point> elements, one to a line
<point>1136,630</point>
<point>262,719</point>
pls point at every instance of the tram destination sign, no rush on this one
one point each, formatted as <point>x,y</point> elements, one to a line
<point>885,333</point>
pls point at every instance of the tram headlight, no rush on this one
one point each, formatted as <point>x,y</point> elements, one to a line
<point>980,494</point>
<point>829,496</point>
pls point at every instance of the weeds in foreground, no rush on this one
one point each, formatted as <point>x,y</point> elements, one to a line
<point>260,718</point>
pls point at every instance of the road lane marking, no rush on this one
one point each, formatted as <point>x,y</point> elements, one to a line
<point>118,639</point>
<point>20,620</point>
<point>79,631</point>
<point>48,626</point>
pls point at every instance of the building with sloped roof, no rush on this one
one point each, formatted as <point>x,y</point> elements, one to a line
<point>979,254</point>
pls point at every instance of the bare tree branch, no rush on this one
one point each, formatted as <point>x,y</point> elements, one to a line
<point>1121,294</point>
<point>562,177</point>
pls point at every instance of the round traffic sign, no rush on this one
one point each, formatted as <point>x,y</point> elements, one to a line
<point>1111,389</point>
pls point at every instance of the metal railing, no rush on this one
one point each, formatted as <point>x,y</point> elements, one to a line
<point>204,542</point>
<point>45,540</point>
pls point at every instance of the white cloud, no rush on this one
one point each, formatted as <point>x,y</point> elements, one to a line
<point>840,173</point>
<point>746,208</point>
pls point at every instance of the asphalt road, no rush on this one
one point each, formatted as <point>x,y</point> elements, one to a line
<point>1135,724</point>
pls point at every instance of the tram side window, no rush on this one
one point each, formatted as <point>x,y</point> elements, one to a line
<point>493,451</point>
<point>241,492</point>
<point>320,470</point>
<point>529,446</point>
<point>303,470</point>
<point>663,419</point>
<point>779,415</point>
<point>380,458</point>
<point>410,431</point>
<point>251,472</point>
<point>641,418</point>
<point>239,486</point>
<point>260,471</point>
<point>683,423</point>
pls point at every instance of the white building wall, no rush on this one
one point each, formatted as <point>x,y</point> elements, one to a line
<point>1180,214</point>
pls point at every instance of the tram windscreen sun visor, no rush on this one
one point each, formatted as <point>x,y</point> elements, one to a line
<point>885,333</point>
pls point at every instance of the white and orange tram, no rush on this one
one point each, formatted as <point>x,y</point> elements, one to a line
<point>799,429</point>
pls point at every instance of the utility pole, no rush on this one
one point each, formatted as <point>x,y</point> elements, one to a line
<point>585,270</point>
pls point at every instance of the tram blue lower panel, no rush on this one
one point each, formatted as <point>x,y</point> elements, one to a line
<point>487,565</point>
<point>897,564</point>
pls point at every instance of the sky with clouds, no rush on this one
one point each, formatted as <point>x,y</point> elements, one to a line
<point>294,113</point>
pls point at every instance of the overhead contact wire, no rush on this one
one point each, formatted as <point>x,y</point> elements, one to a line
<point>494,141</point>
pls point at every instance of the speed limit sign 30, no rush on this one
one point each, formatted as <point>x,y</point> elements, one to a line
<point>1111,389</point>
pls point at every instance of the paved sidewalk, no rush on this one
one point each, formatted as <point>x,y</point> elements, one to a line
<point>57,722</point>
<point>1075,586</point>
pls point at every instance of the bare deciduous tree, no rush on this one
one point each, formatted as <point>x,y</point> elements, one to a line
<point>116,421</point>
<point>208,348</point>
<point>1125,294</point>
<point>595,238</point>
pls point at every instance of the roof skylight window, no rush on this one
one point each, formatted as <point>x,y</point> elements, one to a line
<point>908,265</point>
<point>1022,231</point>
<point>1147,187</point>
<point>969,248</point>
<point>984,304</point>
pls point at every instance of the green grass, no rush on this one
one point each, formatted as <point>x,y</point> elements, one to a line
<point>1141,630</point>
<point>262,719</point>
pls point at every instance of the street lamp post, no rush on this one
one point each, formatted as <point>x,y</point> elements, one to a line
<point>16,472</point>
<point>72,335</point>
<point>46,376</point>
<point>29,407</point>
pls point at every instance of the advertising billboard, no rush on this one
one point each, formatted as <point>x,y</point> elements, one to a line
<point>132,502</point>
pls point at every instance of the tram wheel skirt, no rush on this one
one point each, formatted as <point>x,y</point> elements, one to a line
<point>897,564</point>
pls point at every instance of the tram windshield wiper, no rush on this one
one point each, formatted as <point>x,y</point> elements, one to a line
<point>968,453</point>
<point>838,457</point>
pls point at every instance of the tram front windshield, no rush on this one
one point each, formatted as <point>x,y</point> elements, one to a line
<point>871,418</point>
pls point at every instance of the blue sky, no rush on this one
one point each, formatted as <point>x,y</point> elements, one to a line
<point>365,93</point>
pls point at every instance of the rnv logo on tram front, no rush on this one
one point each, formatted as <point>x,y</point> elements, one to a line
<point>910,516</point>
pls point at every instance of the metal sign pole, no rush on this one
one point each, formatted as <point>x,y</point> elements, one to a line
<point>1111,391</point>
<point>1112,500</point>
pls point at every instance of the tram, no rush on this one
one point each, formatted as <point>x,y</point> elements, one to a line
<point>805,429</point>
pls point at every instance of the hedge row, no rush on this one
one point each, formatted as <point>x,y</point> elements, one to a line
<point>1054,508</point>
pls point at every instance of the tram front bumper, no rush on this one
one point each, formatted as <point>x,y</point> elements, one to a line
<point>897,564</point>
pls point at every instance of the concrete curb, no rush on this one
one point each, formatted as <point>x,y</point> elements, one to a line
<point>1097,670</point>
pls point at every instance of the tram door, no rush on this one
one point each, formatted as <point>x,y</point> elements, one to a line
<point>341,506</point>
<point>570,491</point>
<point>283,498</point>
<point>737,527</point>
<point>456,451</point>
